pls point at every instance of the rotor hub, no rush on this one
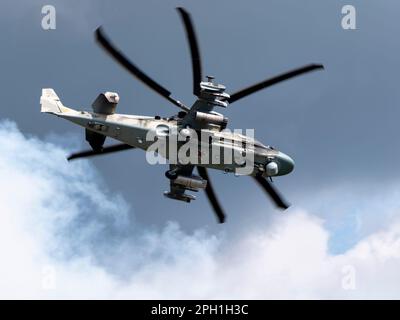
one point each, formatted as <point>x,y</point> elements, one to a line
<point>213,93</point>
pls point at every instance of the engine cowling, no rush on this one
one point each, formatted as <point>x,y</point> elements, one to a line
<point>106,103</point>
<point>212,118</point>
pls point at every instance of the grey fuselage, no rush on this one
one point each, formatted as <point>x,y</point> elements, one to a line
<point>135,130</point>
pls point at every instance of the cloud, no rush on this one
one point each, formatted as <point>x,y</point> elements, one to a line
<point>65,234</point>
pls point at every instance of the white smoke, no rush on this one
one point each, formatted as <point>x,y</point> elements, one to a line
<point>63,236</point>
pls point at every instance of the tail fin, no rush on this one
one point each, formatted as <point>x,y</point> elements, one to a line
<point>50,102</point>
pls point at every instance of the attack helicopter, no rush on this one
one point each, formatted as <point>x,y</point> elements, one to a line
<point>132,131</point>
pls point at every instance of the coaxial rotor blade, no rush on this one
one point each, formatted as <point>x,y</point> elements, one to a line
<point>105,150</point>
<point>270,190</point>
<point>269,82</point>
<point>211,195</point>
<point>135,71</point>
<point>194,49</point>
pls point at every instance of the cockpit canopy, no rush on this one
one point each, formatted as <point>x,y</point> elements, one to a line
<point>230,137</point>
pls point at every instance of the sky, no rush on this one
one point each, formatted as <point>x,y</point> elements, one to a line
<point>102,229</point>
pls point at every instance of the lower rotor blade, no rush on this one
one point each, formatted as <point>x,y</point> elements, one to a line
<point>211,195</point>
<point>270,190</point>
<point>105,150</point>
<point>269,82</point>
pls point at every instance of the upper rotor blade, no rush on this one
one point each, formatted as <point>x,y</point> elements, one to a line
<point>269,82</point>
<point>264,183</point>
<point>105,150</point>
<point>211,195</point>
<point>135,71</point>
<point>194,50</point>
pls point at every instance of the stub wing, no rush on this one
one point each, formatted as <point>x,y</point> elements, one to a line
<point>181,180</point>
<point>177,192</point>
